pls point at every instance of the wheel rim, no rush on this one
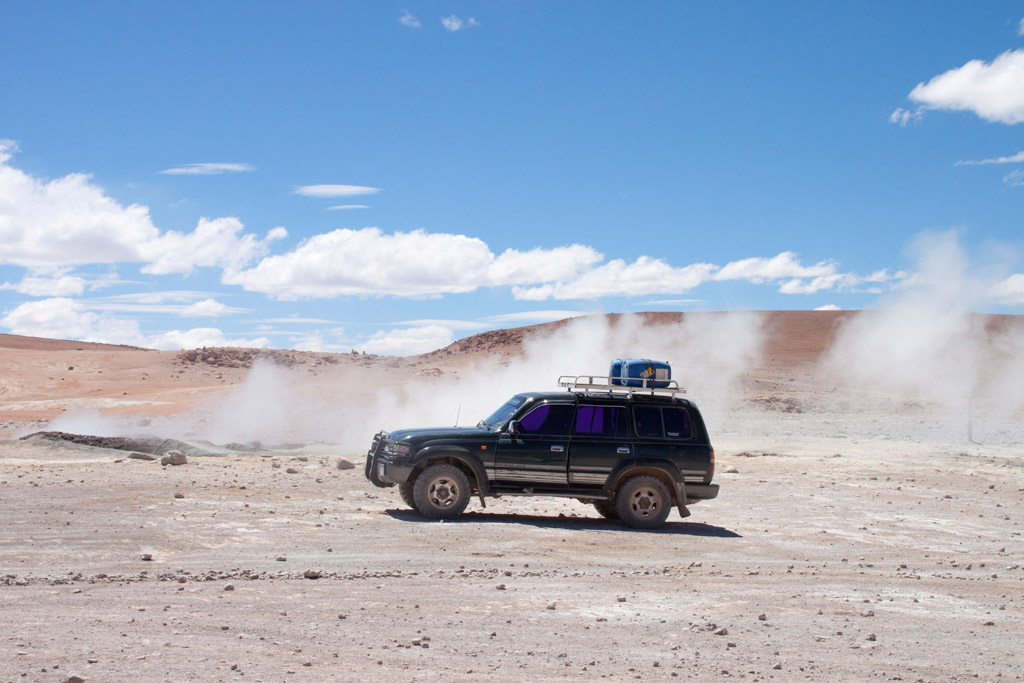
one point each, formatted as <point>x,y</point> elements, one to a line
<point>646,503</point>
<point>443,492</point>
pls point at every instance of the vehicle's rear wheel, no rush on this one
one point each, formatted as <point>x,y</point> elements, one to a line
<point>606,508</point>
<point>441,492</point>
<point>405,491</point>
<point>643,502</point>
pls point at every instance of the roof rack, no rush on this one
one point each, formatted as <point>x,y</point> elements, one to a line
<point>597,384</point>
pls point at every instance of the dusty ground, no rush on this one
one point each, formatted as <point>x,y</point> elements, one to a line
<point>847,548</point>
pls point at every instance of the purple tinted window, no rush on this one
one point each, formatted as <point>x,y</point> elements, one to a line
<point>549,420</point>
<point>601,420</point>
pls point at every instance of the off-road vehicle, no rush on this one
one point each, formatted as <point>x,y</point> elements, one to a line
<point>631,451</point>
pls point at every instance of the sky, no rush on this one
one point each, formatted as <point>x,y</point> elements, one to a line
<point>389,177</point>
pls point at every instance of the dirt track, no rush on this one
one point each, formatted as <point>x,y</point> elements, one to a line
<point>860,573</point>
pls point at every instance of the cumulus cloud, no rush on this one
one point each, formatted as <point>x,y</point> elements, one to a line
<point>334,190</point>
<point>407,19</point>
<point>367,261</point>
<point>454,23</point>
<point>42,284</point>
<point>347,207</point>
<point>65,318</point>
<point>408,341</point>
<point>1009,291</point>
<point>542,265</point>
<point>200,337</point>
<point>71,220</point>
<point>214,242</point>
<point>208,168</point>
<point>903,117</point>
<point>994,91</point>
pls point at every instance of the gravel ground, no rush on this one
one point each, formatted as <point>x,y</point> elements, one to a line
<point>852,558</point>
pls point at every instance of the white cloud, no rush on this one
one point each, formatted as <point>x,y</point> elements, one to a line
<point>902,117</point>
<point>63,318</point>
<point>785,265</point>
<point>454,23</point>
<point>208,168</point>
<point>70,220</point>
<point>1020,28</point>
<point>58,284</point>
<point>1009,291</point>
<point>1014,178</point>
<point>617,278</point>
<point>8,148</point>
<point>367,261</point>
<point>542,265</point>
<point>215,242</point>
<point>334,190</point>
<point>407,342</point>
<point>199,337</point>
<point>1012,159</point>
<point>207,308</point>
<point>347,207</point>
<point>407,19</point>
<point>828,307</point>
<point>995,91</point>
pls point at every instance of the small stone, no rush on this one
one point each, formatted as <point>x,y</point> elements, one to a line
<point>871,637</point>
<point>868,613</point>
<point>229,587</point>
<point>291,470</point>
<point>721,631</point>
<point>281,558</point>
<point>500,587</point>
<point>146,557</point>
<point>762,617</point>
<point>551,606</point>
<point>345,465</point>
<point>312,574</point>
<point>620,599</point>
<point>777,666</point>
<point>731,470</point>
<point>174,458</point>
<point>179,495</point>
<point>74,679</point>
<point>141,456</point>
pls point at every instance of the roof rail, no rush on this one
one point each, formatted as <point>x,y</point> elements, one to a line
<point>598,384</point>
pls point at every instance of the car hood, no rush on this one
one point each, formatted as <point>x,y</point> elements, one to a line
<point>438,433</point>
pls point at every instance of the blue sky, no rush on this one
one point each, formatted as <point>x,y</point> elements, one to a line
<point>390,177</point>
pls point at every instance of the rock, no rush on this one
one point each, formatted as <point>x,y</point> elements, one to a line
<point>141,456</point>
<point>871,637</point>
<point>777,666</point>
<point>147,557</point>
<point>229,587</point>
<point>345,464</point>
<point>291,470</point>
<point>721,631</point>
<point>74,679</point>
<point>179,494</point>
<point>174,458</point>
<point>312,574</point>
<point>731,470</point>
<point>762,617</point>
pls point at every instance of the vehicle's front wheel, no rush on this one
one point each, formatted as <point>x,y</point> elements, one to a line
<point>643,502</point>
<point>405,491</point>
<point>606,509</point>
<point>441,492</point>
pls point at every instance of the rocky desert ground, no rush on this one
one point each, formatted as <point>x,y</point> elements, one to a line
<point>865,531</point>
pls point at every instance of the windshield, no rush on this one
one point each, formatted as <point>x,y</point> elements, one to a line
<point>500,416</point>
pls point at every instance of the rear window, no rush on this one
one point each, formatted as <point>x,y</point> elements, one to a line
<point>670,422</point>
<point>602,421</point>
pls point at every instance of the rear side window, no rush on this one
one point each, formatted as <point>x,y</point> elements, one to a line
<point>662,422</point>
<point>601,421</point>
<point>550,419</point>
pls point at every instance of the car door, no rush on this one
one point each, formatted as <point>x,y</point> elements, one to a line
<point>600,440</point>
<point>537,453</point>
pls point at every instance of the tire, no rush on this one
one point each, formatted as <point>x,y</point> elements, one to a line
<point>441,492</point>
<point>606,508</point>
<point>405,491</point>
<point>643,502</point>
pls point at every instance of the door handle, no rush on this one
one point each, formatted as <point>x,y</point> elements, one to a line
<point>622,450</point>
<point>558,449</point>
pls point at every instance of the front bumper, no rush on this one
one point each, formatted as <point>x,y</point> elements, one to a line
<point>379,469</point>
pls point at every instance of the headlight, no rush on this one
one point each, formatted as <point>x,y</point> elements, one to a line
<point>397,448</point>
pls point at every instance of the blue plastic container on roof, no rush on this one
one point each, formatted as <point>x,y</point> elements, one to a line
<point>640,372</point>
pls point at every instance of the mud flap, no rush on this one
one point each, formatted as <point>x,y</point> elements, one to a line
<point>684,511</point>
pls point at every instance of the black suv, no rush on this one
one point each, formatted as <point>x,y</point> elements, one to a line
<point>633,452</point>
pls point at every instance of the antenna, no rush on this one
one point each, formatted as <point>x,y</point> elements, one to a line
<point>458,414</point>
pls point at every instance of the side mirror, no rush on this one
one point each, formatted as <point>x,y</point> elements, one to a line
<point>513,428</point>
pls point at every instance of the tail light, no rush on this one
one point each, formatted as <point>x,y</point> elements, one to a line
<point>711,470</point>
